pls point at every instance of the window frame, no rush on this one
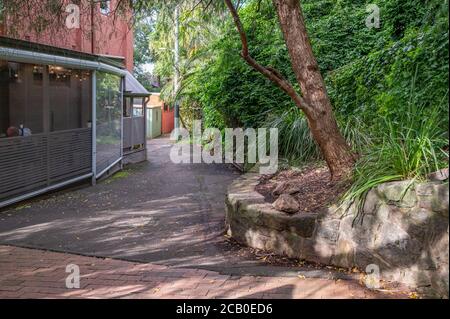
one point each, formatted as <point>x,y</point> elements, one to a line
<point>29,115</point>
<point>105,11</point>
<point>40,115</point>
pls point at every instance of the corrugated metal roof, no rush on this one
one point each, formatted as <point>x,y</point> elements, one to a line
<point>133,87</point>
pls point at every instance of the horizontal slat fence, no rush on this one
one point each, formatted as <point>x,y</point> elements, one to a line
<point>34,162</point>
<point>133,132</point>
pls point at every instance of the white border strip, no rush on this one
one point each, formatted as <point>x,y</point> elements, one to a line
<point>109,167</point>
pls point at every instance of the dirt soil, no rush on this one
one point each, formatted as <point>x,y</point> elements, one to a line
<point>316,190</point>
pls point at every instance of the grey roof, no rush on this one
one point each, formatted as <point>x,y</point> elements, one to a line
<point>133,87</point>
<point>48,49</point>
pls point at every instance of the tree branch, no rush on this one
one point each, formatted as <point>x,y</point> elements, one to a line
<point>270,73</point>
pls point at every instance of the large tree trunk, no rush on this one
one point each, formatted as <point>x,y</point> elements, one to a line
<point>320,115</point>
<point>314,101</point>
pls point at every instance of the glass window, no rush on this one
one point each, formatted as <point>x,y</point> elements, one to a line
<point>69,97</point>
<point>21,99</point>
<point>127,106</point>
<point>138,107</point>
<point>109,120</point>
<point>105,7</point>
<point>67,100</point>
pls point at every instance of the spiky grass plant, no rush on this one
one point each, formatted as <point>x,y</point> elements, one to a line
<point>410,147</point>
<point>295,142</point>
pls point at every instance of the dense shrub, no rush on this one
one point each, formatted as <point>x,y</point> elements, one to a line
<point>368,72</point>
<point>379,84</point>
<point>377,80</point>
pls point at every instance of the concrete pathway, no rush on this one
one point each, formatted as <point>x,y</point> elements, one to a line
<point>157,213</point>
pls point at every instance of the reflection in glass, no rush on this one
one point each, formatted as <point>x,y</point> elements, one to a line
<point>21,99</point>
<point>69,98</point>
<point>109,120</point>
<point>138,106</point>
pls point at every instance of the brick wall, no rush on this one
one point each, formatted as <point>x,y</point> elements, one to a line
<point>103,34</point>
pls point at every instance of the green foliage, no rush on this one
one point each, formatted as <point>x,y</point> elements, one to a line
<point>365,70</point>
<point>142,56</point>
<point>2,11</point>
<point>338,33</point>
<point>398,129</point>
<point>198,25</point>
<point>225,83</point>
<point>408,148</point>
<point>376,86</point>
<point>401,92</point>
<point>296,143</point>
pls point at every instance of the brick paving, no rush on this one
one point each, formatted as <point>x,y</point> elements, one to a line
<point>32,273</point>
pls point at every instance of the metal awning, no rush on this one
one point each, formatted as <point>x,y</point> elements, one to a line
<point>29,52</point>
<point>133,87</point>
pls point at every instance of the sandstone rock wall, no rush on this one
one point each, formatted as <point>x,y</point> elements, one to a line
<point>402,229</point>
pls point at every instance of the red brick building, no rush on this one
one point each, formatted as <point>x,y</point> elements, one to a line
<point>103,29</point>
<point>70,109</point>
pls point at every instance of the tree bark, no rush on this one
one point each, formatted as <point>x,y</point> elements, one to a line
<point>314,101</point>
<point>321,119</point>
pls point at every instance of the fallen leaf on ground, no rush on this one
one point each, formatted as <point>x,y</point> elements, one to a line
<point>413,295</point>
